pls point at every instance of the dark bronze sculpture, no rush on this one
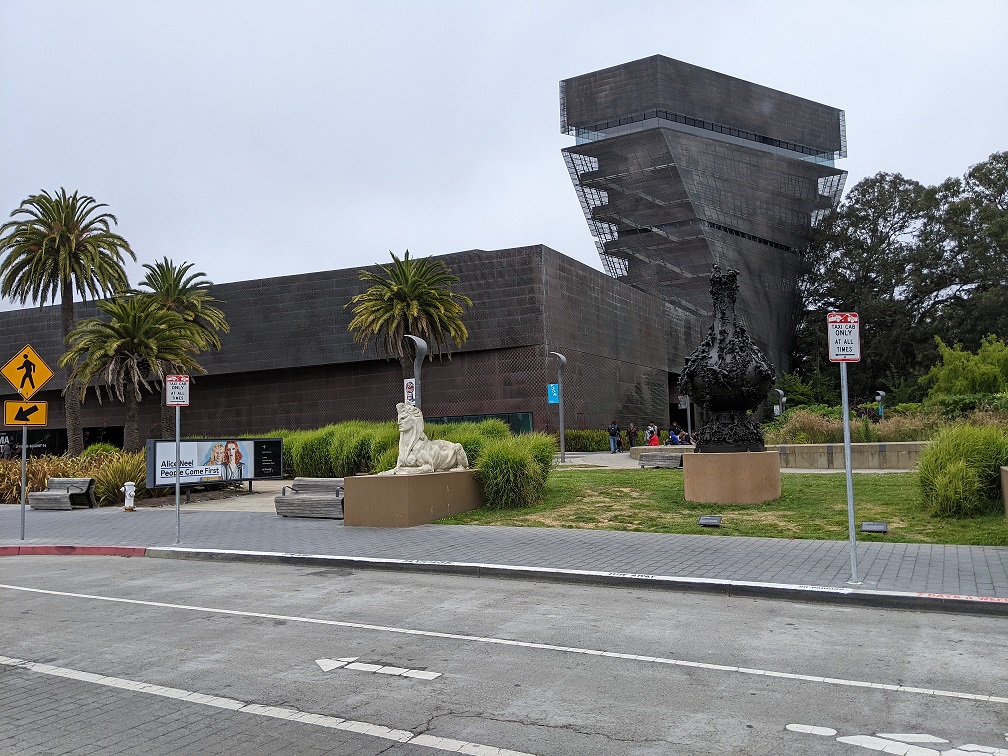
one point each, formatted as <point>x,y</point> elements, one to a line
<point>727,375</point>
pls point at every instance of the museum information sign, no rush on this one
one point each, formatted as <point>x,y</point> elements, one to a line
<point>214,461</point>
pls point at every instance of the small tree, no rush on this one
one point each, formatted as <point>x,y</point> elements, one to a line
<point>128,350</point>
<point>187,293</point>
<point>961,372</point>
<point>409,297</point>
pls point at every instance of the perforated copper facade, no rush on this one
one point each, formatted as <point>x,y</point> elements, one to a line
<point>290,362</point>
<point>678,167</point>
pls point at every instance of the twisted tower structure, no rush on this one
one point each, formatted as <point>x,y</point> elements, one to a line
<point>678,167</point>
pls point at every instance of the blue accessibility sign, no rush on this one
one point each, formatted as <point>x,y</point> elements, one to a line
<point>553,393</point>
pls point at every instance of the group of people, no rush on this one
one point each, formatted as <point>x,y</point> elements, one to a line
<point>676,436</point>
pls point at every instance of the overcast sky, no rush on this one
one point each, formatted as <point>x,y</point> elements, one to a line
<point>260,139</point>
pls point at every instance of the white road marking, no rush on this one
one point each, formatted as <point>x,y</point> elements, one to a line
<point>526,644</point>
<point>811,729</point>
<point>911,737</point>
<point>329,664</point>
<point>901,743</point>
<point>887,746</point>
<point>351,662</point>
<point>278,712</point>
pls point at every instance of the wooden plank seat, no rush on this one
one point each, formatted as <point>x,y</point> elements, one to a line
<point>311,497</point>
<point>64,493</point>
<point>660,459</point>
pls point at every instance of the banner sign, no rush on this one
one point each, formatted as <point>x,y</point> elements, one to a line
<point>409,391</point>
<point>214,461</point>
<point>553,393</point>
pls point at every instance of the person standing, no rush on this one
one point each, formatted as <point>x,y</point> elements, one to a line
<point>632,435</point>
<point>613,436</point>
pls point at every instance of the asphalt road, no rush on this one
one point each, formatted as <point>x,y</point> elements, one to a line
<point>196,657</point>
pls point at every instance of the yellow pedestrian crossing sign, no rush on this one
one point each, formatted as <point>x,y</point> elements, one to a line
<point>26,372</point>
<point>26,413</point>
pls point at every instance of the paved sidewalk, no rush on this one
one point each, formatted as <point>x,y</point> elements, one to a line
<point>956,578</point>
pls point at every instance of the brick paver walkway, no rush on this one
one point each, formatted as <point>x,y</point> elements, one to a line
<point>962,570</point>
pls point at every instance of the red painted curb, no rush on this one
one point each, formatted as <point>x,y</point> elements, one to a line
<point>124,551</point>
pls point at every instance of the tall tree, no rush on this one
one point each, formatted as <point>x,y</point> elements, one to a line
<point>128,351</point>
<point>56,246</point>
<point>858,261</point>
<point>186,293</point>
<point>966,246</point>
<point>413,297</point>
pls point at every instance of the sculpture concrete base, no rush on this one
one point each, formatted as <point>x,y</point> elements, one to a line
<point>402,501</point>
<point>733,478</point>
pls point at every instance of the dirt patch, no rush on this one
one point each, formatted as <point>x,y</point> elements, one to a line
<point>591,512</point>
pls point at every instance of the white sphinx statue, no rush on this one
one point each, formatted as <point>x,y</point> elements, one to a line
<point>417,453</point>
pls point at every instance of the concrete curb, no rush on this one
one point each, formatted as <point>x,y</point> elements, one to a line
<point>124,551</point>
<point>843,596</point>
<point>847,596</point>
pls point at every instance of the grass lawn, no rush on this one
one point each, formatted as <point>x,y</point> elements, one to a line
<point>811,506</point>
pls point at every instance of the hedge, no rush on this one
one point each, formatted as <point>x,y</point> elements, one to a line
<point>959,472</point>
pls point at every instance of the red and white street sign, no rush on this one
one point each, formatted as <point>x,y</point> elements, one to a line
<point>843,331</point>
<point>177,394</point>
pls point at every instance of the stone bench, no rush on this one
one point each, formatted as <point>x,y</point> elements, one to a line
<point>311,497</point>
<point>660,459</point>
<point>64,493</point>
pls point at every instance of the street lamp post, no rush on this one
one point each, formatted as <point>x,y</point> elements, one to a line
<point>421,352</point>
<point>560,371</point>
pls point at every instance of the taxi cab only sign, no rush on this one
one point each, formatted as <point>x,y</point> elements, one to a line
<point>177,394</point>
<point>842,329</point>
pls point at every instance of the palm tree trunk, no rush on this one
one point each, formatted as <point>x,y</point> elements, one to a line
<point>72,401</point>
<point>131,434</point>
<point>167,414</point>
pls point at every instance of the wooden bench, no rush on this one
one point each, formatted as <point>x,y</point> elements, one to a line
<point>660,459</point>
<point>311,497</point>
<point>64,493</point>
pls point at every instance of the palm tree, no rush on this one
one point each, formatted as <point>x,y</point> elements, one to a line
<point>188,294</point>
<point>412,297</point>
<point>127,351</point>
<point>57,245</point>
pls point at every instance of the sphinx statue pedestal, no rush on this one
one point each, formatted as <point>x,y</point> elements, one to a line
<point>402,501</point>
<point>732,477</point>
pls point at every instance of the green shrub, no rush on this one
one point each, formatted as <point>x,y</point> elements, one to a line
<point>864,431</point>
<point>292,441</point>
<point>387,459</point>
<point>384,437</point>
<point>493,428</point>
<point>113,474</point>
<point>39,470</point>
<point>949,491</point>
<point>805,425</point>
<point>543,447</point>
<point>586,440</point>
<point>470,435</point>
<point>312,453</point>
<point>906,408</point>
<point>351,446</point>
<point>954,486</point>
<point>100,448</point>
<point>912,426</point>
<point>510,475</point>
